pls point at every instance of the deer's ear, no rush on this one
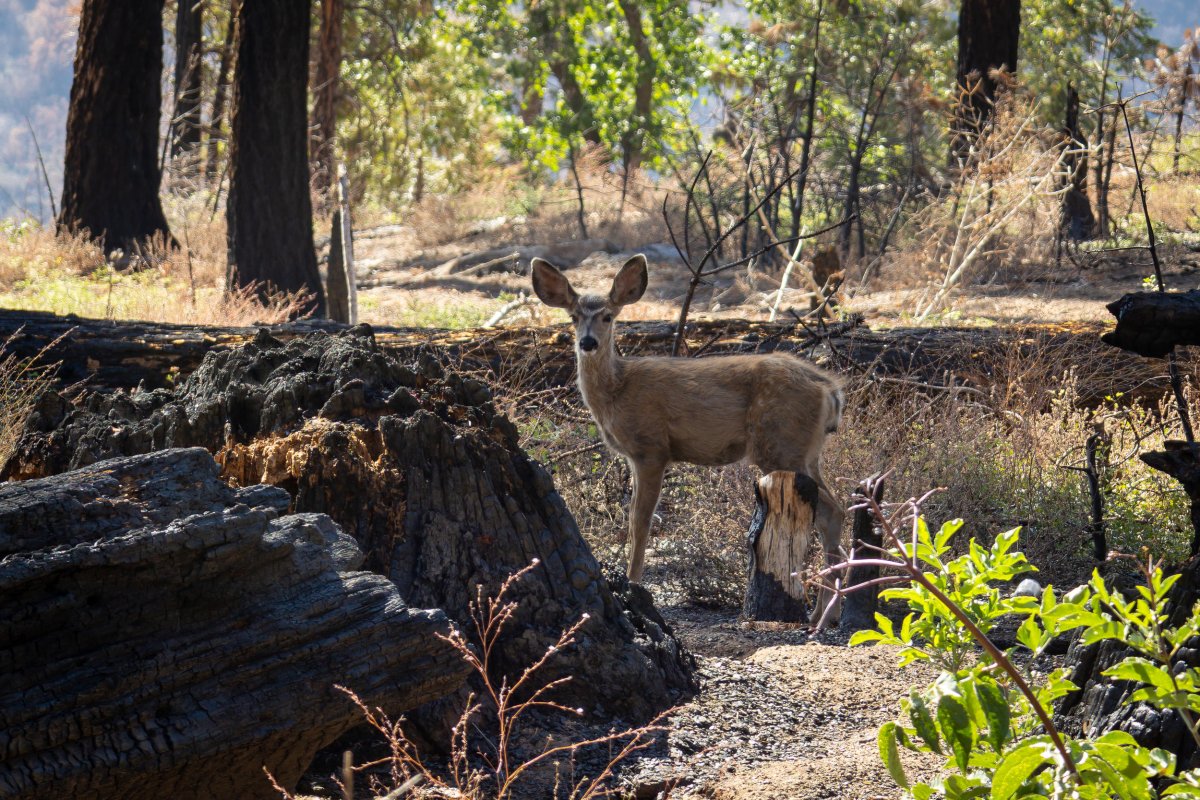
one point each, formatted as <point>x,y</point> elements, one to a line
<point>551,286</point>
<point>630,283</point>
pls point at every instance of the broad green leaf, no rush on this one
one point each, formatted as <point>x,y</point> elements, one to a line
<point>955,723</point>
<point>923,722</point>
<point>995,708</point>
<point>1142,670</point>
<point>889,752</point>
<point>1017,767</point>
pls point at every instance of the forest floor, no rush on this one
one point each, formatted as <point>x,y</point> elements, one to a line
<point>406,282</point>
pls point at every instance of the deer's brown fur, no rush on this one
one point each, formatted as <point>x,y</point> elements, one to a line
<point>772,410</point>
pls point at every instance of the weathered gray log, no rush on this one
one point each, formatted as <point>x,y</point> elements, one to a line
<point>1154,323</point>
<point>1101,704</point>
<point>784,506</point>
<point>165,635</point>
<point>418,466</point>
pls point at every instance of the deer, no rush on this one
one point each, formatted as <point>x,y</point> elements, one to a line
<point>771,410</point>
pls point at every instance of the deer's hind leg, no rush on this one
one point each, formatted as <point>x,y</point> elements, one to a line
<point>647,485</point>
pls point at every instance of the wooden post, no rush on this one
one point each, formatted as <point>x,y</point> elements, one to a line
<point>341,285</point>
<point>778,541</point>
<point>858,609</point>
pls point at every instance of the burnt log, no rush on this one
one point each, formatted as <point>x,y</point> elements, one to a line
<point>166,635</point>
<point>1101,703</point>
<point>1154,323</point>
<point>107,354</point>
<point>417,465</point>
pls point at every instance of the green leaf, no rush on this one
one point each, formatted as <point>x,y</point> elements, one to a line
<point>996,710</point>
<point>923,723</point>
<point>956,727</point>
<point>1016,768</point>
<point>1142,670</point>
<point>890,753</point>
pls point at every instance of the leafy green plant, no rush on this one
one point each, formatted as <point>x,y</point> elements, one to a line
<point>988,716</point>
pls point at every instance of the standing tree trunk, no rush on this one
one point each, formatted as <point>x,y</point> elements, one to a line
<point>988,32</point>
<point>634,141</point>
<point>270,209</point>
<point>325,95</point>
<point>215,136</point>
<point>185,123</point>
<point>110,170</point>
<point>1078,220</point>
<point>784,509</point>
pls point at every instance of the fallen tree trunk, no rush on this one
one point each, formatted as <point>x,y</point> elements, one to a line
<point>416,464</point>
<point>165,635</point>
<point>126,354</point>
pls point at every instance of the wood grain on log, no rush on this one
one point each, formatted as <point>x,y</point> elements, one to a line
<point>417,465</point>
<point>166,635</point>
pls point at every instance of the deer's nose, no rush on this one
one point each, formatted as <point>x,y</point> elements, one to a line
<point>588,343</point>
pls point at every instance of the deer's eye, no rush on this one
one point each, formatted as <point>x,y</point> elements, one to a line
<point>574,317</point>
<point>608,317</point>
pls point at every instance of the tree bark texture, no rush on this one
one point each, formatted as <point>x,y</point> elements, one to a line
<point>325,96</point>
<point>185,122</point>
<point>1078,220</point>
<point>165,635</point>
<point>785,503</point>
<point>416,464</point>
<point>988,32</point>
<point>1099,706</point>
<point>269,211</point>
<point>859,607</point>
<point>110,170</point>
<point>1155,323</point>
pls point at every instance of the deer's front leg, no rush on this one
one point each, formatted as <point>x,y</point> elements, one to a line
<point>647,484</point>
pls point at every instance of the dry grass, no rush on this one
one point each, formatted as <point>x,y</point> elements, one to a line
<point>44,270</point>
<point>22,382</point>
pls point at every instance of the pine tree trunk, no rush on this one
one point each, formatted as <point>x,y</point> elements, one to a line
<point>325,95</point>
<point>269,211</point>
<point>1078,220</point>
<point>988,32</point>
<point>110,171</point>
<point>220,95</point>
<point>185,122</point>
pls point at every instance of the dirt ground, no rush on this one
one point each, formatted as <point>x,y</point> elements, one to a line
<point>406,282</point>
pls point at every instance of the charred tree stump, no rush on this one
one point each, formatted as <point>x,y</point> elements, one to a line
<point>859,607</point>
<point>166,635</point>
<point>417,465</point>
<point>1100,704</point>
<point>1154,323</point>
<point>785,505</point>
<point>1180,461</point>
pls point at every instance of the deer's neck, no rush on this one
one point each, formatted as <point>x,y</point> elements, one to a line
<point>599,377</point>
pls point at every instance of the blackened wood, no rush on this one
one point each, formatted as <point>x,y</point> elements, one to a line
<point>269,213</point>
<point>859,607</point>
<point>110,169</point>
<point>185,123</point>
<point>1179,460</point>
<point>165,635</point>
<point>988,32</point>
<point>416,463</point>
<point>1154,323</point>
<point>1101,704</point>
<point>785,504</point>
<point>336,295</point>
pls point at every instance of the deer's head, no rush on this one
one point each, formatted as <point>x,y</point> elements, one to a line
<point>592,314</point>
